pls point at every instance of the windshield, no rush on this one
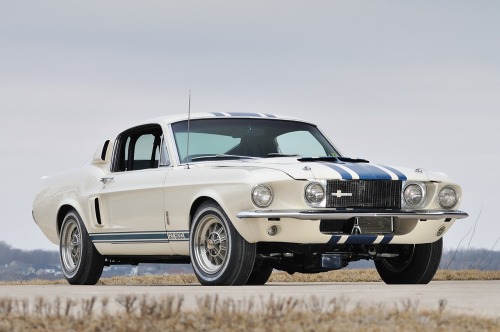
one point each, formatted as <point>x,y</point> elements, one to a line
<point>260,138</point>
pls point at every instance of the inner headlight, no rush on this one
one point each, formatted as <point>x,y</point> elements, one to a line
<point>414,194</point>
<point>447,197</point>
<point>314,193</point>
<point>262,195</point>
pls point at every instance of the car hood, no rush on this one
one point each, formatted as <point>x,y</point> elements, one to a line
<point>309,168</point>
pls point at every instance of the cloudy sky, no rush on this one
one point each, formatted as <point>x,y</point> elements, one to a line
<point>412,84</point>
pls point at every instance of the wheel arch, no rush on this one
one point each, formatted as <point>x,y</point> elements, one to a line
<point>62,212</point>
<point>196,205</point>
<point>240,227</point>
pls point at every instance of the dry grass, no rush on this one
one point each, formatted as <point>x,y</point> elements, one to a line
<point>146,313</point>
<point>346,275</point>
<point>274,314</point>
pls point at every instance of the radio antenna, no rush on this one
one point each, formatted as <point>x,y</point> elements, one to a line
<point>189,120</point>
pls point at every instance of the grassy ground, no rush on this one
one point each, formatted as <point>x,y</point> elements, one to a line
<point>346,275</point>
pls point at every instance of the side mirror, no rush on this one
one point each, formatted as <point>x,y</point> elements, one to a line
<point>101,155</point>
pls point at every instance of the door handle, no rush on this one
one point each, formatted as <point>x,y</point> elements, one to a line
<point>106,180</point>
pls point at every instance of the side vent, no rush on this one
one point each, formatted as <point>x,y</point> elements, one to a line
<point>97,211</point>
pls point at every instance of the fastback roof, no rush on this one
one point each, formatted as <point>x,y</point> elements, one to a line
<point>182,117</point>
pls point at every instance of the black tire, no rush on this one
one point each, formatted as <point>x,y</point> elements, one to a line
<point>219,255</point>
<point>416,264</point>
<point>260,273</point>
<point>81,263</point>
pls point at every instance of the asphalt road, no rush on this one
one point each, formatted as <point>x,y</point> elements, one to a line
<point>470,297</point>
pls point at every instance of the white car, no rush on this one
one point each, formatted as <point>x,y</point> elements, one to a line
<point>238,195</point>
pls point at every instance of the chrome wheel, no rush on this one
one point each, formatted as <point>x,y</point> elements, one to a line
<point>211,244</point>
<point>71,246</point>
<point>81,263</point>
<point>219,254</point>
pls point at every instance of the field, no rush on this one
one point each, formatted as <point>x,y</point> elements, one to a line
<point>212,313</point>
<point>345,275</point>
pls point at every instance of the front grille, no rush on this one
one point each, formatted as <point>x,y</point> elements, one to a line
<point>381,194</point>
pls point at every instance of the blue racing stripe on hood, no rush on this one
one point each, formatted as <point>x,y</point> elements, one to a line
<point>400,175</point>
<point>368,172</point>
<point>343,173</point>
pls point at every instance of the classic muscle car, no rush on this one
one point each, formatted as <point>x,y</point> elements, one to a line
<point>238,195</point>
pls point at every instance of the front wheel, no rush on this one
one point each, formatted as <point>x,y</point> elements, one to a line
<point>219,255</point>
<point>415,263</point>
<point>81,262</point>
<point>260,273</point>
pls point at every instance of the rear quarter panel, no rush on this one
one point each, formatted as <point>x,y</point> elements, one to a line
<point>70,188</point>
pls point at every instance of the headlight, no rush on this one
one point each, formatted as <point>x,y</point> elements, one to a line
<point>414,194</point>
<point>262,195</point>
<point>314,193</point>
<point>447,197</point>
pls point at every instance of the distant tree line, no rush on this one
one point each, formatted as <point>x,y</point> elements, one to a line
<point>32,257</point>
<point>476,259</point>
<point>471,259</point>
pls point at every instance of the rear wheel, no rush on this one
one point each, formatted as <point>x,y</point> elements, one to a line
<point>81,262</point>
<point>416,263</point>
<point>219,255</point>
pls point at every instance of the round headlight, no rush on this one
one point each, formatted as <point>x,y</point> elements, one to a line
<point>414,194</point>
<point>447,197</point>
<point>262,195</point>
<point>315,193</point>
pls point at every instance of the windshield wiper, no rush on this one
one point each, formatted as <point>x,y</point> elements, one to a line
<point>334,159</point>
<point>275,154</point>
<point>220,157</point>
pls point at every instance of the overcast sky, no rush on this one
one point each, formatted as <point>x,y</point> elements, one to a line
<point>414,83</point>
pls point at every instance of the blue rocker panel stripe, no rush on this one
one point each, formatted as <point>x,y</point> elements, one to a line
<point>149,237</point>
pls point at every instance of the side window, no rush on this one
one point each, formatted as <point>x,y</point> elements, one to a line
<point>146,152</point>
<point>138,148</point>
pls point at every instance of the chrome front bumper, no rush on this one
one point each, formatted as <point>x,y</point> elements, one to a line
<point>347,214</point>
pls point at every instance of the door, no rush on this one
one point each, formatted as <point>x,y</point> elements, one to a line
<point>131,198</point>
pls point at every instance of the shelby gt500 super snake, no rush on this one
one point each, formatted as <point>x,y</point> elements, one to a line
<point>238,195</point>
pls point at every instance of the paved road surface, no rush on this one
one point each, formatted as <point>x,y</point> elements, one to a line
<point>472,297</point>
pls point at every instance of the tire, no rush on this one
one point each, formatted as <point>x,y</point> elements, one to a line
<point>260,273</point>
<point>81,262</point>
<point>219,255</point>
<point>416,264</point>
